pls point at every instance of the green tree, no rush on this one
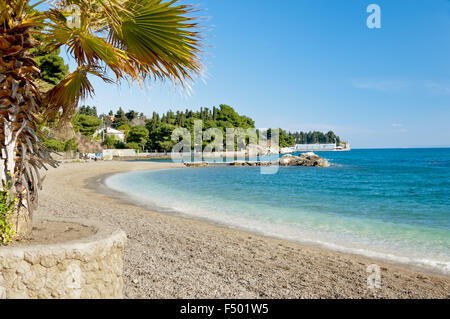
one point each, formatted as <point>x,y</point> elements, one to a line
<point>285,139</point>
<point>227,114</point>
<point>120,119</point>
<point>124,127</point>
<point>51,65</point>
<point>160,139</point>
<point>138,135</point>
<point>87,110</point>
<point>131,115</point>
<point>86,124</point>
<point>133,146</point>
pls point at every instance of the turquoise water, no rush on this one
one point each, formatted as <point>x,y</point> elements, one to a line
<point>392,204</point>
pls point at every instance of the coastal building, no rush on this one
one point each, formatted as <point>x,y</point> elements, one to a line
<point>345,146</point>
<point>118,135</point>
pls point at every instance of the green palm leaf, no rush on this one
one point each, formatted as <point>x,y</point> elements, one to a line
<point>159,37</point>
<point>67,93</point>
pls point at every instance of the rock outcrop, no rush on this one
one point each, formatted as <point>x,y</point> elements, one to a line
<point>305,159</point>
<point>255,149</point>
<point>86,145</point>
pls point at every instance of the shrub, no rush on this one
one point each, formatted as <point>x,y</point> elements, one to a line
<point>7,206</point>
<point>59,146</point>
<point>119,145</point>
<point>55,145</point>
<point>70,145</point>
<point>110,141</point>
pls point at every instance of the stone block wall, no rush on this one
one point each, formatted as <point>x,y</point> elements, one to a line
<point>87,268</point>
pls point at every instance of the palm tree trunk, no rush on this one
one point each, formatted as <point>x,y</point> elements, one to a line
<point>22,154</point>
<point>22,217</point>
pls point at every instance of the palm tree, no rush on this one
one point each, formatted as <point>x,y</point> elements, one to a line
<point>133,40</point>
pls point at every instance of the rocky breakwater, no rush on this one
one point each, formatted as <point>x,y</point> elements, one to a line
<point>196,164</point>
<point>306,159</point>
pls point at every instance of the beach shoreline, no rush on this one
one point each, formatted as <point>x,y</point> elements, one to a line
<point>99,184</point>
<point>178,257</point>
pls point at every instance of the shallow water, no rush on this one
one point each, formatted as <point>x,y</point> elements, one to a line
<point>392,204</point>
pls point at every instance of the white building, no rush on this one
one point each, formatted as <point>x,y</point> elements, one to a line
<point>119,135</point>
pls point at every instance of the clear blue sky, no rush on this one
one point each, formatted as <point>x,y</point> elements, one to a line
<point>314,65</point>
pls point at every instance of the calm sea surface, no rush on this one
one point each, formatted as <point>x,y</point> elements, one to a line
<point>392,204</point>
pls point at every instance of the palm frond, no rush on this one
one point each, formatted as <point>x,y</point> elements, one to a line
<point>161,39</point>
<point>66,94</point>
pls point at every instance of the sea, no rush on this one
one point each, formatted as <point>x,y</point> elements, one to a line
<point>388,204</point>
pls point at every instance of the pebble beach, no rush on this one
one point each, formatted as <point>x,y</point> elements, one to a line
<point>175,257</point>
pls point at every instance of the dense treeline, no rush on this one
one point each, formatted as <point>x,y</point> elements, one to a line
<point>289,139</point>
<point>315,138</point>
<point>161,127</point>
<point>154,133</point>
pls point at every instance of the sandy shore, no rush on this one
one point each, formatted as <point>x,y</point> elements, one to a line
<point>174,257</point>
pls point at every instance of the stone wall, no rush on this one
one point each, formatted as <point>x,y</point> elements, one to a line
<point>86,268</point>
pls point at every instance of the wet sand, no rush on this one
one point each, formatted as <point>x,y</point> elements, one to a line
<point>175,257</point>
